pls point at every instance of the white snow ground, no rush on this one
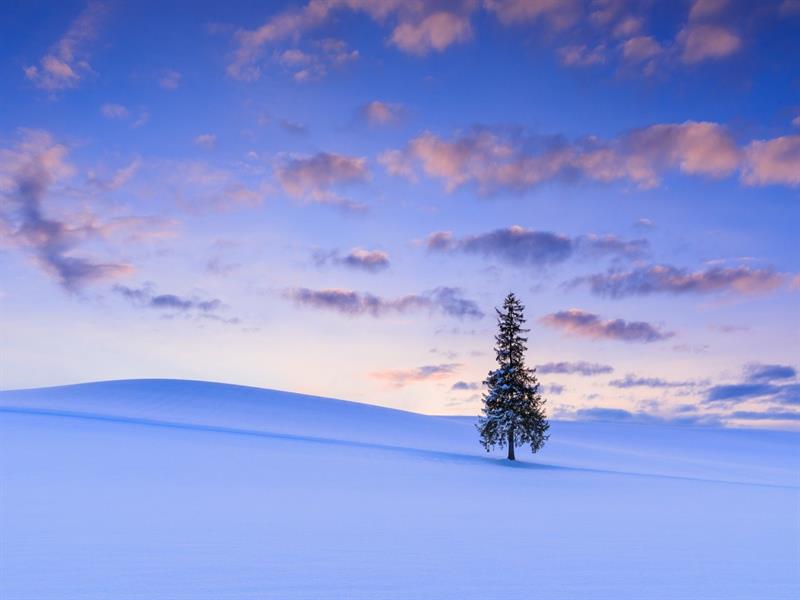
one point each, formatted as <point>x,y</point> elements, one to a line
<point>163,489</point>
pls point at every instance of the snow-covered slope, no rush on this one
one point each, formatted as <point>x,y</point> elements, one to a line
<point>183,489</point>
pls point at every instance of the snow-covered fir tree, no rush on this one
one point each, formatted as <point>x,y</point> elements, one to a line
<point>513,410</point>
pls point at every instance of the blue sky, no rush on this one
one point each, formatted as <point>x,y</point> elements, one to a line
<point>331,197</point>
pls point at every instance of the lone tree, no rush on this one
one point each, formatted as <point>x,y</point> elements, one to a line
<point>513,410</point>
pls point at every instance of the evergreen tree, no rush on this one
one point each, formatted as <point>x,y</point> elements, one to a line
<point>513,410</point>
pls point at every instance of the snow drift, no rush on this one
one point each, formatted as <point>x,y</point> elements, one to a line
<point>181,489</point>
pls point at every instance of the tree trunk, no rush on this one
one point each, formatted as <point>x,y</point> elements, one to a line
<point>511,445</point>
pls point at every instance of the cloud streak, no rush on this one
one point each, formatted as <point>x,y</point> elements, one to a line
<point>402,377</point>
<point>583,368</point>
<point>444,300</point>
<point>667,279</point>
<point>27,174</point>
<point>519,246</point>
<point>312,179</point>
<point>589,325</point>
<point>66,63</point>
<point>372,261</point>
<point>511,160</point>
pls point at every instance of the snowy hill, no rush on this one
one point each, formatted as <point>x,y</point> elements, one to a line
<point>183,489</point>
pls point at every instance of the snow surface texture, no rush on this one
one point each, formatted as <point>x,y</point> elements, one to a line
<point>172,490</point>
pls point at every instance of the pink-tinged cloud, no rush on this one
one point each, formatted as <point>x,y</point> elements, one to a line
<point>381,113</point>
<point>524,247</point>
<point>640,49</point>
<point>500,160</point>
<point>312,179</point>
<point>66,63</point>
<point>704,9</point>
<point>667,279</point>
<point>419,28</point>
<point>581,55</point>
<point>401,377</point>
<point>28,174</point>
<point>445,300</point>
<point>434,32</point>
<point>372,261</point>
<point>206,140</point>
<point>775,161</point>
<point>170,80</point>
<point>580,323</point>
<point>114,111</point>
<point>557,13</point>
<point>707,42</point>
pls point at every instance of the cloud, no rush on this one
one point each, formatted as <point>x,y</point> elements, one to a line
<point>599,413</point>
<point>707,42</point>
<point>419,28</point>
<point>586,369</point>
<point>314,64</point>
<point>740,392</point>
<point>293,127</point>
<point>312,178</point>
<point>28,173</point>
<point>773,162</point>
<point>114,111</point>
<point>769,415</point>
<point>559,14</point>
<point>581,55</point>
<point>764,382</point>
<point>170,80</point>
<point>358,258</point>
<point>644,223</point>
<point>667,279</point>
<point>119,178</point>
<point>523,247</point>
<point>632,380</point>
<point>463,386</point>
<point>765,373</point>
<point>445,300</point>
<point>66,63</point>
<point>508,160</point>
<point>146,298</point>
<point>198,185</point>
<point>641,48</point>
<point>434,32</point>
<point>381,113</point>
<point>585,324</point>
<point>206,140</point>
<point>402,377</point>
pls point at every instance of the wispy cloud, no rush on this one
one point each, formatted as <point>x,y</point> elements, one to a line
<point>668,279</point>
<point>511,160</point>
<point>465,386</point>
<point>520,246</point>
<point>313,178</point>
<point>170,80</point>
<point>114,111</point>
<point>770,383</point>
<point>146,297</point>
<point>206,140</point>
<point>28,173</point>
<point>67,62</point>
<point>586,369</point>
<point>761,372</point>
<point>445,300</point>
<point>402,377</point>
<point>589,325</point>
<point>630,381</point>
<point>377,112</point>
<point>418,28</point>
<point>372,261</point>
